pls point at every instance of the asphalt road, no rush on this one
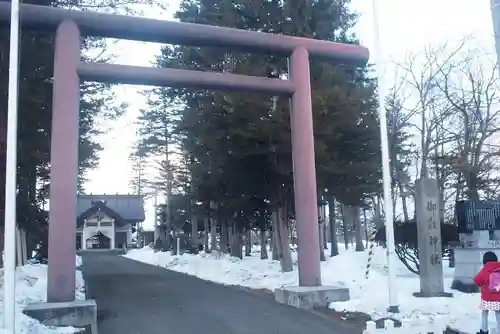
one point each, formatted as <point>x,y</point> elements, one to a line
<point>136,298</point>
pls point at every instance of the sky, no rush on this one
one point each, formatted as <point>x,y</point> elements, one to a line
<point>404,26</point>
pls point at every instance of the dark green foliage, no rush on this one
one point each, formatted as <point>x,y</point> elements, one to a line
<point>35,110</point>
<point>236,146</point>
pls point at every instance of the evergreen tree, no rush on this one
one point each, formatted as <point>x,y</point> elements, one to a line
<point>35,111</point>
<point>238,145</point>
<point>138,182</point>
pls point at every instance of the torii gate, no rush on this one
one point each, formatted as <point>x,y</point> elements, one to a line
<point>69,71</point>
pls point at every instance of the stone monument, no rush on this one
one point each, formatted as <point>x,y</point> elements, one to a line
<point>429,239</point>
<point>479,232</point>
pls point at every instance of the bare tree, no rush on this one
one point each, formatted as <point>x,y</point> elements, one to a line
<point>418,108</point>
<point>401,149</point>
<point>422,74</point>
<point>471,91</point>
<point>138,182</point>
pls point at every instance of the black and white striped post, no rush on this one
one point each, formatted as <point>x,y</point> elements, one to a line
<point>371,247</point>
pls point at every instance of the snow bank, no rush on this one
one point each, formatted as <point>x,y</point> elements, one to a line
<point>79,262</point>
<point>371,296</point>
<point>348,270</point>
<point>250,272</point>
<point>31,287</point>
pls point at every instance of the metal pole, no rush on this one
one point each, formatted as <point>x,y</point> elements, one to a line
<point>386,168</point>
<point>9,319</point>
<point>495,14</point>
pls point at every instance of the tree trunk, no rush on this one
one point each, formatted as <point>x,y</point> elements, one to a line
<point>274,234</point>
<point>284,241</point>
<point>205,235</point>
<point>458,193</point>
<point>194,223</point>
<point>406,216</point>
<point>224,237</point>
<point>248,242</point>
<point>213,228</point>
<point>441,181</point>
<point>164,241</point>
<point>31,244</point>
<point>322,215</point>
<point>263,245</point>
<point>162,236</point>
<point>24,246</point>
<point>173,242</point>
<point>334,247</point>
<point>230,230</point>
<point>320,235</point>
<point>282,252</point>
<point>236,246</point>
<point>357,229</point>
<point>367,228</point>
<point>291,235</point>
<point>378,214</point>
<point>345,221</point>
<point>325,235</point>
<point>441,203</point>
<point>19,247</point>
<point>194,231</point>
<point>170,233</point>
<point>321,248</point>
<point>271,243</point>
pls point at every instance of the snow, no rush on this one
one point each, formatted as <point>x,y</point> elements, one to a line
<point>347,270</point>
<point>79,261</point>
<point>31,287</point>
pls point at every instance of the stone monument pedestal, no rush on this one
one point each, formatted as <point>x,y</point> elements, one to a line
<point>468,262</point>
<point>479,232</point>
<point>79,314</point>
<point>431,295</point>
<point>478,239</point>
<point>309,297</point>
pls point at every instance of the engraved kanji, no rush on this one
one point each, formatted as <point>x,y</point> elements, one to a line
<point>435,259</point>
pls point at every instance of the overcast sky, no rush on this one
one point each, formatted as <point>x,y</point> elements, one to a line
<point>404,26</point>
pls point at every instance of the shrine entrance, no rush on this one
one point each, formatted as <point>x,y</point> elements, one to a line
<point>98,241</point>
<point>70,71</point>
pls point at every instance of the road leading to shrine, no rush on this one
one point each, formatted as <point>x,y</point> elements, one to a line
<point>137,298</point>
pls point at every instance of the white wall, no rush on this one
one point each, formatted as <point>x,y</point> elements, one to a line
<point>89,231</point>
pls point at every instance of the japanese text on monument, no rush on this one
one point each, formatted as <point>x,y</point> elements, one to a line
<point>434,238</point>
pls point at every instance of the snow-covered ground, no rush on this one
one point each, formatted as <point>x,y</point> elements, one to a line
<point>347,269</point>
<point>31,287</point>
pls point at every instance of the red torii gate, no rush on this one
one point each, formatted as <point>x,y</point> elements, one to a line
<point>69,70</point>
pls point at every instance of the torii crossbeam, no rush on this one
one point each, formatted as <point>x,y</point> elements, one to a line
<point>69,71</point>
